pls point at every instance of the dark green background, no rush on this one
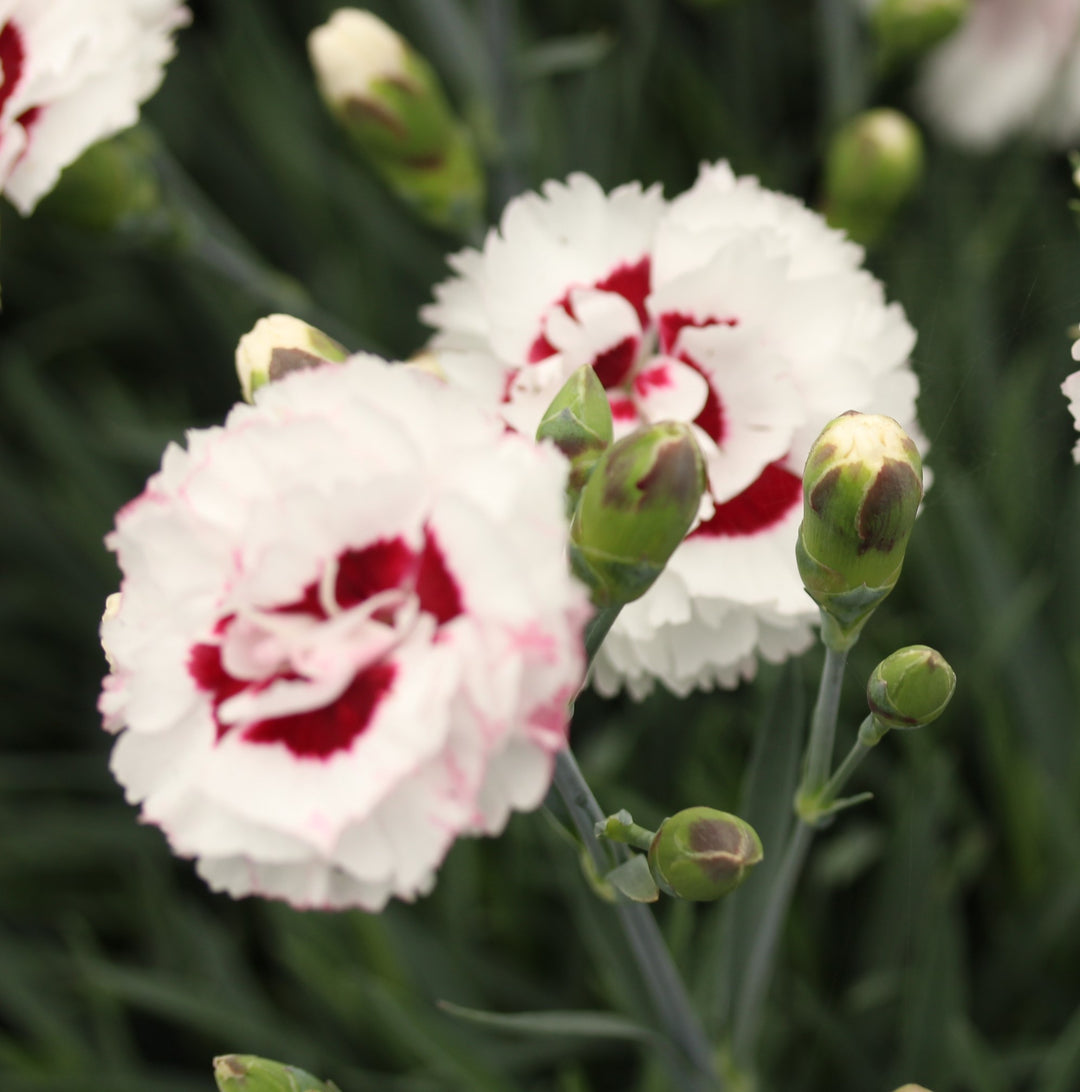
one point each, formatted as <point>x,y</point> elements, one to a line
<point>934,937</point>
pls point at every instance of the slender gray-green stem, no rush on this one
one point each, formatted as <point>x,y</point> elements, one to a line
<point>844,74</point>
<point>665,986</point>
<point>819,749</point>
<point>759,971</point>
<point>832,787</point>
<point>598,629</point>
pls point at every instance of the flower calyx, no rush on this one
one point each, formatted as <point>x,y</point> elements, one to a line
<point>247,1073</point>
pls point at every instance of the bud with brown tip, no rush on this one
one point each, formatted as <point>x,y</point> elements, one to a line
<point>246,1073</point>
<point>861,490</point>
<point>701,854</point>
<point>636,508</point>
<point>279,344</point>
<point>910,688</point>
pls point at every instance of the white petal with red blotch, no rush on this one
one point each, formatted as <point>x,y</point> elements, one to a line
<point>573,235</point>
<point>459,718</point>
<point>75,71</point>
<point>750,291</point>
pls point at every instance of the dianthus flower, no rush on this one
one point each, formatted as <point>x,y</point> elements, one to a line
<point>346,634</point>
<point>74,72</point>
<point>732,307</point>
<point>1012,67</point>
<point>1071,389</point>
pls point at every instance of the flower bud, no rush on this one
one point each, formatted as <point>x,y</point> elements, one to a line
<point>861,490</point>
<point>873,164</point>
<point>279,344</point>
<point>913,1088</point>
<point>389,100</point>
<point>701,854</point>
<point>578,422</point>
<point>639,502</point>
<point>904,29</point>
<point>910,688</point>
<point>112,186</point>
<point>246,1073</point>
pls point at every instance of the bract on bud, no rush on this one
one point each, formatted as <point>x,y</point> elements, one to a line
<point>873,164</point>
<point>701,854</point>
<point>246,1073</point>
<point>578,422</point>
<point>861,490</point>
<point>637,506</point>
<point>910,688</point>
<point>279,344</point>
<point>904,29</point>
<point>389,100</point>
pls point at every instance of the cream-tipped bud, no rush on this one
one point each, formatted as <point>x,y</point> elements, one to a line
<point>389,100</point>
<point>873,165</point>
<point>904,29</point>
<point>578,422</point>
<point>861,491</point>
<point>636,508</point>
<point>910,688</point>
<point>279,344</point>
<point>913,1088</point>
<point>702,854</point>
<point>246,1073</point>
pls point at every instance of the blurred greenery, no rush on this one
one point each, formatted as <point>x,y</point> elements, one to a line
<point>933,938</point>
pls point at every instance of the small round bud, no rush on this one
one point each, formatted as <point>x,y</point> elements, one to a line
<point>246,1073</point>
<point>701,854</point>
<point>578,422</point>
<point>873,164</point>
<point>913,1088</point>
<point>904,29</point>
<point>640,500</point>
<point>279,344</point>
<point>910,688</point>
<point>861,491</point>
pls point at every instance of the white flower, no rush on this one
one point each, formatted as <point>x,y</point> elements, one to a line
<point>1071,389</point>
<point>1012,67</point>
<point>732,307</point>
<point>74,72</point>
<point>347,634</point>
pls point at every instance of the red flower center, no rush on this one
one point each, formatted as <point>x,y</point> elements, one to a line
<point>12,60</point>
<point>319,733</point>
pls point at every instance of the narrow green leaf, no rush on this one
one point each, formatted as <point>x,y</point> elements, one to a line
<point>583,1025</point>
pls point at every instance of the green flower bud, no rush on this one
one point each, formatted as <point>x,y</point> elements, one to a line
<point>913,1088</point>
<point>279,344</point>
<point>578,422</point>
<point>246,1073</point>
<point>389,100</point>
<point>112,186</point>
<point>910,688</point>
<point>640,500</point>
<point>873,164</point>
<point>701,854</point>
<point>861,490</point>
<point>906,28</point>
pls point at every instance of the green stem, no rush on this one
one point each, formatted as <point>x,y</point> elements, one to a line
<point>597,629</point>
<point>832,787</point>
<point>662,980</point>
<point>844,73</point>
<point>819,749</point>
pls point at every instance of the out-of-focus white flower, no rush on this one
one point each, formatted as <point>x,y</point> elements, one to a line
<point>1071,389</point>
<point>347,634</point>
<point>74,72</point>
<point>1012,67</point>
<point>732,307</point>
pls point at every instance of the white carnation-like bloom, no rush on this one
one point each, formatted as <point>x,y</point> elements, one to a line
<point>73,73</point>
<point>346,635</point>
<point>1013,66</point>
<point>1071,389</point>
<point>732,307</point>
